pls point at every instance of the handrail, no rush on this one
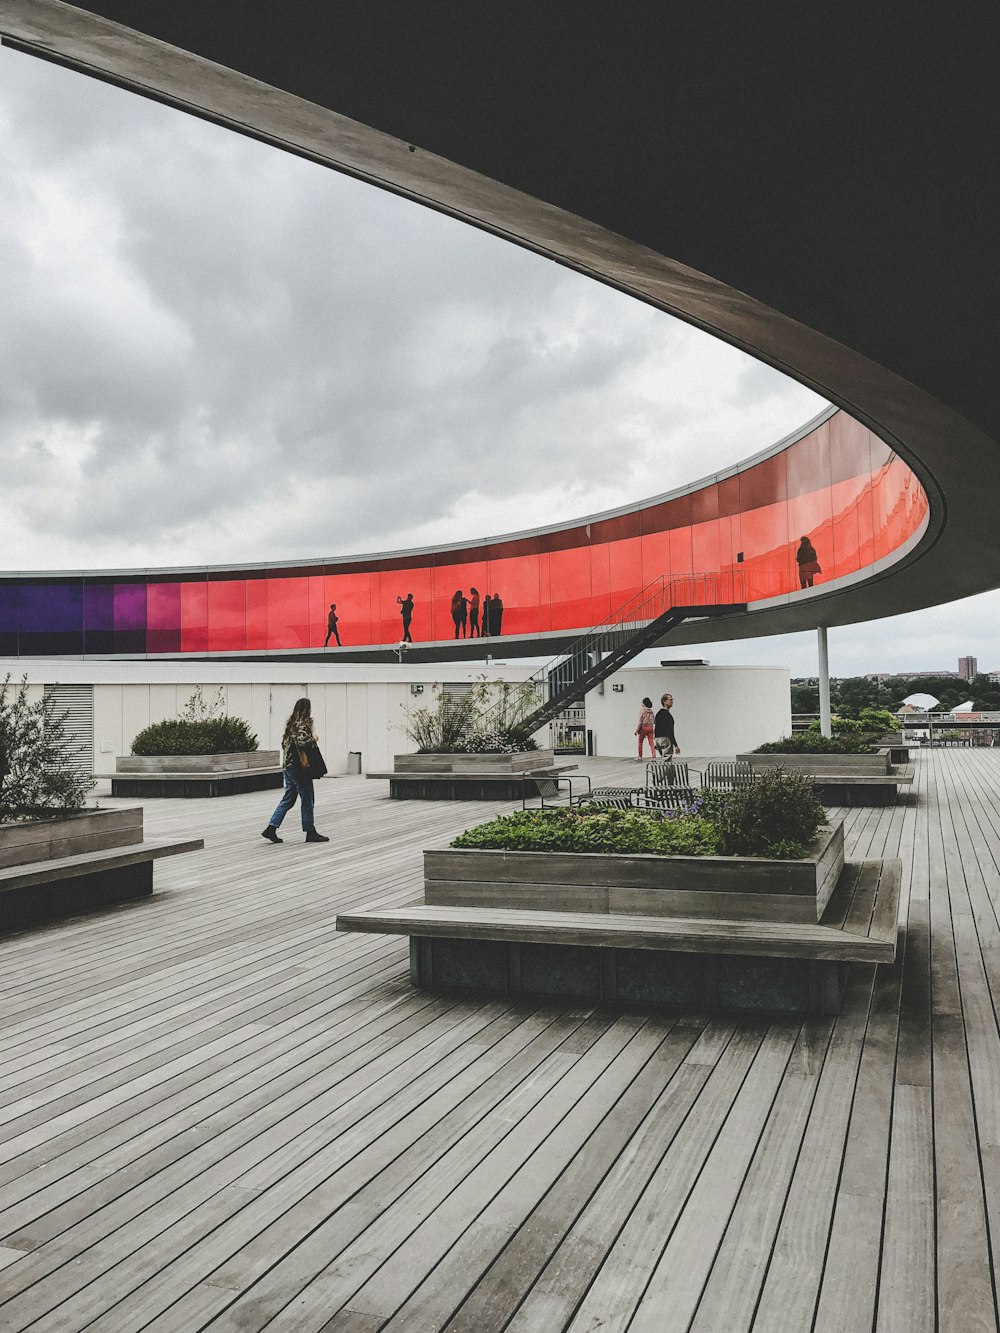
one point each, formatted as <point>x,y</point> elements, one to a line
<point>612,638</point>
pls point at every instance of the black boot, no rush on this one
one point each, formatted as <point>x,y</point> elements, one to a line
<point>271,834</point>
<point>313,836</point>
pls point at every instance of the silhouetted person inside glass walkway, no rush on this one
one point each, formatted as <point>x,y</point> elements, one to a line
<point>406,611</point>
<point>805,558</point>
<point>460,612</point>
<point>332,621</point>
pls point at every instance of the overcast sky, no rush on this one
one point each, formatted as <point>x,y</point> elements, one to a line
<point>212,351</point>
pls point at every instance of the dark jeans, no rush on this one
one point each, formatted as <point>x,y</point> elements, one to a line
<point>295,786</point>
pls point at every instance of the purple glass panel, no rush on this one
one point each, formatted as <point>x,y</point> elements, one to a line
<point>9,597</point>
<point>51,607</point>
<point>98,606</point>
<point>130,606</point>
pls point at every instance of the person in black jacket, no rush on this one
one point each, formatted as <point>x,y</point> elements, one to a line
<point>664,735</point>
<point>406,611</point>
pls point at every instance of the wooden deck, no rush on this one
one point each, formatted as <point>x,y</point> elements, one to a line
<point>216,1112</point>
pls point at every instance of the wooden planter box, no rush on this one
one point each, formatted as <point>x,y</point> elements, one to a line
<point>817,765</point>
<point>88,830</point>
<point>521,761</point>
<point>198,763</point>
<point>730,888</point>
<point>196,775</point>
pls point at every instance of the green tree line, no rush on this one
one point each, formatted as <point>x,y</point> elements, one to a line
<point>850,695</point>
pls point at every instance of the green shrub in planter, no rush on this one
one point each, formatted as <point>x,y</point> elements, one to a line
<point>811,742</point>
<point>623,831</point>
<point>777,815</point>
<point>212,735</point>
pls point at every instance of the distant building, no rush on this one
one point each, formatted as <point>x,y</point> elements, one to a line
<point>968,667</point>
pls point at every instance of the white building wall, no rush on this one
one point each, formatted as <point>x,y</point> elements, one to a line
<point>718,711</point>
<point>356,706</point>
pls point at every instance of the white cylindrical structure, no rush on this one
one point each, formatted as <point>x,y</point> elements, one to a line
<point>824,681</point>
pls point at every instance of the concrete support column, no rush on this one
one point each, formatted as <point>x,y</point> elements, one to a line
<point>824,681</point>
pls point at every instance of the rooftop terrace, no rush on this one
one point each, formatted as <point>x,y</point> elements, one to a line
<point>219,1113</point>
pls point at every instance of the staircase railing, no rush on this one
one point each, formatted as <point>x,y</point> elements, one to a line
<point>634,625</point>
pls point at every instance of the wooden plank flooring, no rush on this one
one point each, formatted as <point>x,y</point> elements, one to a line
<point>218,1113</point>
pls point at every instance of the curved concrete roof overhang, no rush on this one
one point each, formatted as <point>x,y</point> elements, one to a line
<point>819,198</point>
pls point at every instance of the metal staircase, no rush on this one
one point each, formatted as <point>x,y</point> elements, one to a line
<point>639,623</point>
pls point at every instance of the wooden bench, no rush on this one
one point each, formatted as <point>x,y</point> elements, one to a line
<point>862,788</point>
<point>768,966</point>
<point>195,783</point>
<point>67,885</point>
<point>421,786</point>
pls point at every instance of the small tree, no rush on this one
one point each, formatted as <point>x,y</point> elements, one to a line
<point>38,769</point>
<point>200,709</point>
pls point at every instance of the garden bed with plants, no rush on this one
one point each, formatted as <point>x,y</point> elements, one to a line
<point>470,747</point>
<point>206,752</point>
<point>716,906</point>
<point>58,855</point>
<point>763,853</point>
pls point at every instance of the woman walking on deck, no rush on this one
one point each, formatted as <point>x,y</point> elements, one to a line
<point>298,742</point>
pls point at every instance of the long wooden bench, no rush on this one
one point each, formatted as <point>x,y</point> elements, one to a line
<point>429,786</point>
<point>863,788</point>
<point>66,885</point>
<point>745,965</point>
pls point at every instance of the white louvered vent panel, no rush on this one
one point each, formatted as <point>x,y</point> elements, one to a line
<point>77,702</point>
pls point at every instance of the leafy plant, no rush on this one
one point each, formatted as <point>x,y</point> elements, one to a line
<point>622,831</point>
<point>485,720</point>
<point>777,815</point>
<point>217,735</point>
<point>811,742</point>
<point>203,728</point>
<point>38,768</point>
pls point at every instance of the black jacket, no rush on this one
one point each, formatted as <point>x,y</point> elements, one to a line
<point>663,725</point>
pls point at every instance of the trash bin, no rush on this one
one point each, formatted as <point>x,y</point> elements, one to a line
<point>354,761</point>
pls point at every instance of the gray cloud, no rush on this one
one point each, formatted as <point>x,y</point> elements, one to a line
<point>206,335</point>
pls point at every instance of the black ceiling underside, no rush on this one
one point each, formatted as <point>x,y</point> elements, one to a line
<point>835,163</point>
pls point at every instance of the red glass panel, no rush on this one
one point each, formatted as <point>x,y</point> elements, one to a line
<point>227,615</point>
<point>601,601</point>
<point>655,556</point>
<point>352,594</point>
<point>288,613</point>
<point>626,570</point>
<point>194,617</point>
<point>449,578</point>
<point>517,583</point>
<point>764,484</point>
<point>396,583</point>
<point>256,613</point>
